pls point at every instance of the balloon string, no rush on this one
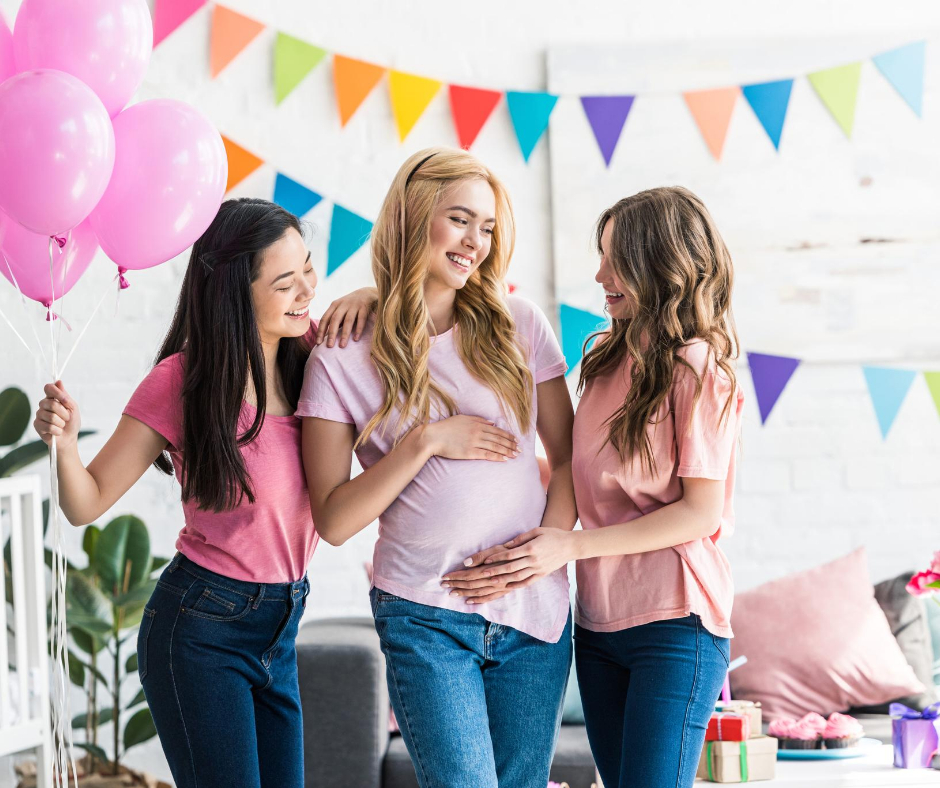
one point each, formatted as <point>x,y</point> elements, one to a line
<point>29,320</point>
<point>91,317</point>
<point>17,334</point>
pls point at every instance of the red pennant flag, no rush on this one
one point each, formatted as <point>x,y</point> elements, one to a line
<point>471,107</point>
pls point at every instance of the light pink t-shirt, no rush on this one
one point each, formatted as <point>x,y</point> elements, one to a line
<point>453,508</point>
<point>618,592</point>
<point>269,541</point>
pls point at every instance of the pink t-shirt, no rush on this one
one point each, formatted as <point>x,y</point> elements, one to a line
<point>453,508</point>
<point>269,541</point>
<point>618,592</point>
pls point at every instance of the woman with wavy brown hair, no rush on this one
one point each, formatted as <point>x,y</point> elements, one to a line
<point>654,467</point>
<point>442,405</point>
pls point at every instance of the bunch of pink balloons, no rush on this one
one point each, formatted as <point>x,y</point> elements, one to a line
<point>76,166</point>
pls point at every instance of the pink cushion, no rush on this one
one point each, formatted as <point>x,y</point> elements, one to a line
<point>817,641</point>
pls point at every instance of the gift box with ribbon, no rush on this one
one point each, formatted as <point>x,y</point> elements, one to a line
<point>746,707</point>
<point>739,761</point>
<point>915,735</point>
<point>728,727</point>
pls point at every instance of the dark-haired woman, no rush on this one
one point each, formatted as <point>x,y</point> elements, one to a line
<point>216,644</point>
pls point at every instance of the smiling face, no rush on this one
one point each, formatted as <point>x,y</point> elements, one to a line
<point>283,289</point>
<point>461,233</point>
<point>620,303</point>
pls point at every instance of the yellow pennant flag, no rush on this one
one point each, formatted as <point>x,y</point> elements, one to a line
<point>410,98</point>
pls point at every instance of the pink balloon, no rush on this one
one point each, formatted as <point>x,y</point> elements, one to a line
<point>7,68</point>
<point>25,256</point>
<point>170,173</point>
<point>56,150</point>
<point>105,43</point>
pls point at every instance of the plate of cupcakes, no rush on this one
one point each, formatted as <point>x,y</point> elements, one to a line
<point>813,737</point>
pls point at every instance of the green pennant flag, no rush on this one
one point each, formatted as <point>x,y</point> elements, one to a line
<point>838,89</point>
<point>293,60</point>
<point>933,383</point>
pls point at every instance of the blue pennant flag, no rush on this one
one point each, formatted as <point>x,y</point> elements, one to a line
<point>769,101</point>
<point>348,231</point>
<point>294,197</point>
<point>904,69</point>
<point>887,388</point>
<point>576,326</point>
<point>530,113</point>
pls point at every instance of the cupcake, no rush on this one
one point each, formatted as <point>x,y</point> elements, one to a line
<point>802,734</point>
<point>842,731</point>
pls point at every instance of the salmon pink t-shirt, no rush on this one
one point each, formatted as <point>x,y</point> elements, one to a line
<point>453,508</point>
<point>618,592</point>
<point>269,541</point>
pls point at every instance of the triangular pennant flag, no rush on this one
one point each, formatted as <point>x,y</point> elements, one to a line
<point>170,14</point>
<point>231,33</point>
<point>770,375</point>
<point>887,388</point>
<point>411,95</point>
<point>293,196</point>
<point>576,326</point>
<point>293,60</point>
<point>471,108</point>
<point>769,101</point>
<point>530,113</point>
<point>241,163</point>
<point>933,383</point>
<point>904,69</point>
<point>838,89</point>
<point>607,114</point>
<point>354,80</point>
<point>348,231</point>
<point>512,288</point>
<point>712,112</point>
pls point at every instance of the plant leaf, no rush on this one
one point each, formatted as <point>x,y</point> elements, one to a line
<point>131,665</point>
<point>89,541</point>
<point>27,454</point>
<point>95,750</point>
<point>86,641</point>
<point>123,547</point>
<point>136,596</point>
<point>104,716</point>
<point>140,728</point>
<point>138,699</point>
<point>76,670</point>
<point>15,411</point>
<point>87,607</point>
<point>158,563</point>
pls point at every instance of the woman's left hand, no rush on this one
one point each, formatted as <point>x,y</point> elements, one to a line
<point>518,563</point>
<point>347,316</point>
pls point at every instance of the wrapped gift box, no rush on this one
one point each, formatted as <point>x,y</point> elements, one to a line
<point>739,761</point>
<point>915,735</point>
<point>728,727</point>
<point>748,707</point>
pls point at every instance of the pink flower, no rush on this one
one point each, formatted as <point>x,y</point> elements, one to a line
<point>919,583</point>
<point>935,564</point>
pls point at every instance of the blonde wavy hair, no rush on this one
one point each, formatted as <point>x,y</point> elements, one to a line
<point>668,254</point>
<point>485,334</point>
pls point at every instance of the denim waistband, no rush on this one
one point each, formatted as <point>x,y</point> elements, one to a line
<point>257,591</point>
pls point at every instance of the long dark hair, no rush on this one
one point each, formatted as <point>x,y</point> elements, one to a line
<point>215,328</point>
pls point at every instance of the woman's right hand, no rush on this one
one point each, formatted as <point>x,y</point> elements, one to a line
<point>57,416</point>
<point>470,438</point>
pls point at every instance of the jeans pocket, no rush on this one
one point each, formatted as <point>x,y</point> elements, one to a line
<point>724,648</point>
<point>215,602</point>
<point>143,636</point>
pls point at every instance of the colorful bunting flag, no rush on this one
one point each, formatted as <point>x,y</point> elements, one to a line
<point>576,326</point>
<point>904,69</point>
<point>887,388</point>
<point>933,383</point>
<point>530,113</point>
<point>712,111</point>
<point>607,114</point>
<point>293,196</point>
<point>348,231</point>
<point>471,108</point>
<point>770,375</point>
<point>170,14</point>
<point>241,163</point>
<point>838,89</point>
<point>769,101</point>
<point>293,60</point>
<point>410,98</point>
<point>231,33</point>
<point>354,80</point>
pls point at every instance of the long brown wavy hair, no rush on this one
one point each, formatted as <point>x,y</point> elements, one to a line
<point>486,335</point>
<point>677,273</point>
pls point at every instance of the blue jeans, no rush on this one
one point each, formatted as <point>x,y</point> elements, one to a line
<point>647,693</point>
<point>478,703</point>
<point>218,665</point>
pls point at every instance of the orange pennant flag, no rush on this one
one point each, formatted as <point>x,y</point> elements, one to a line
<point>354,80</point>
<point>712,112</point>
<point>241,163</point>
<point>231,33</point>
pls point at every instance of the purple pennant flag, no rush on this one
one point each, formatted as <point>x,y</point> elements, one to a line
<point>770,375</point>
<point>607,114</point>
